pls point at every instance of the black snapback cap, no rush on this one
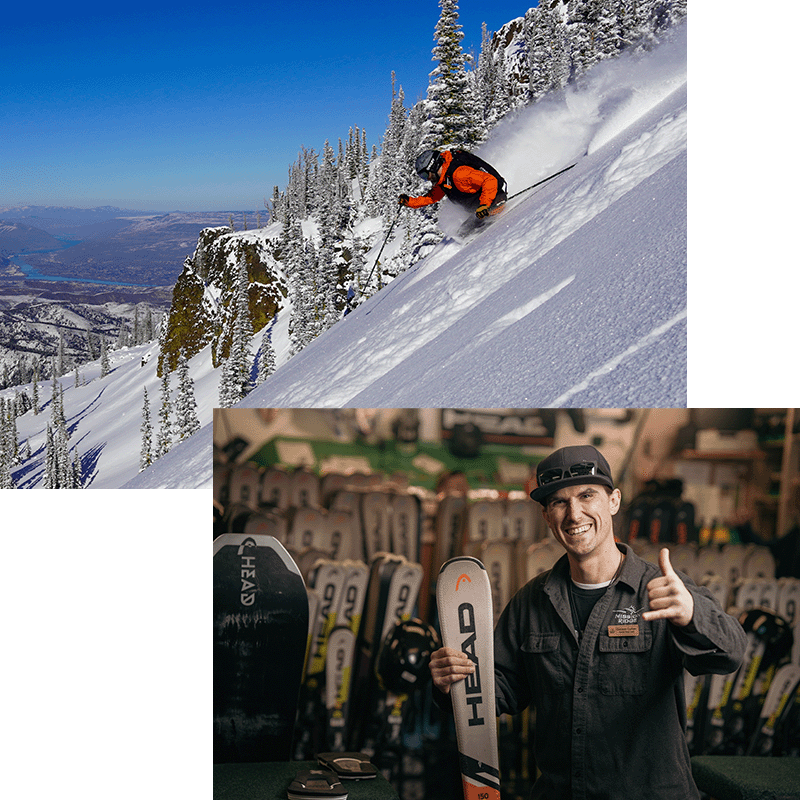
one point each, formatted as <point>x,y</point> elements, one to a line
<point>571,466</point>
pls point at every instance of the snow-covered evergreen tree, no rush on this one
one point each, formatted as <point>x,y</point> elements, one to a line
<point>104,362</point>
<point>6,478</point>
<point>146,451</point>
<point>389,173</point>
<point>164,438</point>
<point>9,449</point>
<point>328,221</point>
<point>61,358</point>
<point>185,404</point>
<point>58,470</point>
<point>266,356</point>
<point>548,51</point>
<point>235,381</point>
<point>491,89</point>
<point>76,477</point>
<point>451,118</point>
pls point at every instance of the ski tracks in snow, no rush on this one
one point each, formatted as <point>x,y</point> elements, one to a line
<point>501,324</point>
<point>599,373</point>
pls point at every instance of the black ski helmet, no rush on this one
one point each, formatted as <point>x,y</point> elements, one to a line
<point>404,656</point>
<point>427,161</point>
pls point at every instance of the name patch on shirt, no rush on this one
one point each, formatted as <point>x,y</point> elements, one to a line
<point>626,622</point>
<point>623,630</point>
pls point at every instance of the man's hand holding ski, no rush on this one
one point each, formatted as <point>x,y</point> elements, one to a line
<point>669,598</point>
<point>448,666</point>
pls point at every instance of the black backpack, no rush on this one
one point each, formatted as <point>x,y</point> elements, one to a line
<point>461,158</point>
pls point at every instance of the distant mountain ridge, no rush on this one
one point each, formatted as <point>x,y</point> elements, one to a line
<point>55,219</point>
<point>17,237</point>
<point>134,247</point>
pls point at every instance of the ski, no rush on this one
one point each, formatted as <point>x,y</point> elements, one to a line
<point>464,600</point>
<point>382,569</point>
<point>245,485</point>
<point>308,528</point>
<point>327,579</point>
<point>260,637</point>
<point>777,703</point>
<point>338,672</point>
<point>341,655</point>
<point>406,513</point>
<point>375,511</point>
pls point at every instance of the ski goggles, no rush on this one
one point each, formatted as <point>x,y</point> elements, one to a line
<point>579,470</point>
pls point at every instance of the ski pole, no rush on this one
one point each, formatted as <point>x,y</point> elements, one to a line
<point>378,259</point>
<point>539,183</point>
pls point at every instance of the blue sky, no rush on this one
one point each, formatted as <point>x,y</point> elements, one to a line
<point>166,106</point>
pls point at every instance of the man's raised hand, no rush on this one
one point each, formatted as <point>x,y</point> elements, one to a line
<point>669,598</point>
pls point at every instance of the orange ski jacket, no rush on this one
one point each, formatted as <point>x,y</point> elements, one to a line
<point>465,180</point>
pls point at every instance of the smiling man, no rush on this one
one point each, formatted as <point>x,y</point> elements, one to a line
<point>598,646</point>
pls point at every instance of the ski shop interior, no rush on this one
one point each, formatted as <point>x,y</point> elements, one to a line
<point>719,487</point>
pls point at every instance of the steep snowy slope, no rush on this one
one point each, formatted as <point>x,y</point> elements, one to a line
<point>575,296</point>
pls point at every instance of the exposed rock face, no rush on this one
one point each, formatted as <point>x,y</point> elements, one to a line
<point>202,297</point>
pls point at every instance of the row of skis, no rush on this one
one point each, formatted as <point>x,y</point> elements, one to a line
<point>756,710</point>
<point>369,555</point>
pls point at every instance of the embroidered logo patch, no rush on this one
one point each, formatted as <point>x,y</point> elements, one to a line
<point>625,622</point>
<point>627,616</point>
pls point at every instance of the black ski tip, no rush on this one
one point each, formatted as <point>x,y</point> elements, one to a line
<point>462,559</point>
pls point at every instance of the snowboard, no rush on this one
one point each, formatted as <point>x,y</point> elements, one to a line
<point>464,600</point>
<point>260,636</point>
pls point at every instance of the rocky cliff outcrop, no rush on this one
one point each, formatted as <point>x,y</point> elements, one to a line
<point>202,297</point>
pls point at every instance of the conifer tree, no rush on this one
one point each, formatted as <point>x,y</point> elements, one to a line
<point>486,85</point>
<point>50,472</point>
<point>61,361</point>
<point>235,379</point>
<point>104,363</point>
<point>146,452</point>
<point>328,270</point>
<point>422,232</point>
<point>6,478</point>
<point>186,405</point>
<point>57,464</point>
<point>389,175</point>
<point>9,438</point>
<point>8,446</point>
<point>548,52</point>
<point>57,406</point>
<point>76,480</point>
<point>266,355</point>
<point>357,267</point>
<point>35,389</point>
<point>450,105</point>
<point>164,439</point>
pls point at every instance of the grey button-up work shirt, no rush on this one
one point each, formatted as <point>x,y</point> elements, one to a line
<point>610,708</point>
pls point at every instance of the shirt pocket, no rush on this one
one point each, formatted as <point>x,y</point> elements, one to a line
<point>541,654</point>
<point>624,663</point>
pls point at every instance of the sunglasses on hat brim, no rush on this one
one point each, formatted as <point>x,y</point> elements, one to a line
<point>581,469</point>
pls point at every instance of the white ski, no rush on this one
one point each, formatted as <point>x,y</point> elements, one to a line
<point>464,600</point>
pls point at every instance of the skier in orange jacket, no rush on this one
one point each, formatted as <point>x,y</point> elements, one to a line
<point>461,177</point>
